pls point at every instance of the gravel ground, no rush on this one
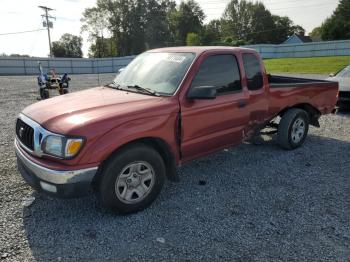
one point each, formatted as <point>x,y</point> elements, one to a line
<point>249,203</point>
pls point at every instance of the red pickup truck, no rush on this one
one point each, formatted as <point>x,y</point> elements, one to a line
<point>168,106</point>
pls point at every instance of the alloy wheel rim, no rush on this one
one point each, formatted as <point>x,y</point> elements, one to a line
<point>134,182</point>
<point>298,130</point>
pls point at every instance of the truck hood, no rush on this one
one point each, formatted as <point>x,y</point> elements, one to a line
<point>66,114</point>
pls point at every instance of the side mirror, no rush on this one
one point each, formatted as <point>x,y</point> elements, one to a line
<point>331,75</point>
<point>202,92</point>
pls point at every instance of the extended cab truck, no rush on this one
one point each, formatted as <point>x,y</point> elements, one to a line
<point>168,106</point>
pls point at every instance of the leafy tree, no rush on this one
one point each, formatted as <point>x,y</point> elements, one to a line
<point>316,34</point>
<point>118,13</point>
<point>95,23</point>
<point>58,50</point>
<point>211,33</point>
<point>237,19</point>
<point>137,25</point>
<point>187,18</point>
<point>68,46</point>
<point>337,27</point>
<point>13,55</point>
<point>253,23</point>
<point>262,25</point>
<point>157,29</point>
<point>192,39</point>
<point>103,47</point>
<point>284,28</point>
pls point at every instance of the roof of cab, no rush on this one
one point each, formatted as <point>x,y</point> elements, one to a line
<point>198,49</point>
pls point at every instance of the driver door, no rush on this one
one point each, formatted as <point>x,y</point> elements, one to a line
<point>213,124</point>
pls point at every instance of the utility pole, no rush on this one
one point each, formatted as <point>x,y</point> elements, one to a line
<point>48,23</point>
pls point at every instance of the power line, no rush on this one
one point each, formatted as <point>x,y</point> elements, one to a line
<point>21,32</point>
<point>36,38</point>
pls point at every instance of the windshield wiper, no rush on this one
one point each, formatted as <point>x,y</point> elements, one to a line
<point>114,85</point>
<point>148,91</point>
<point>137,87</point>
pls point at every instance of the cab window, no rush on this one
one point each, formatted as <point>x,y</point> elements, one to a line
<point>220,71</point>
<point>253,71</point>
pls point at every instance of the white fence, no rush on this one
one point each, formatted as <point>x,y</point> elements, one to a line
<point>29,66</point>
<point>313,49</point>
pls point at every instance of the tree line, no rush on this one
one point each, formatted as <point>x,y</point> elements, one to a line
<point>134,26</point>
<point>129,27</point>
<point>337,26</point>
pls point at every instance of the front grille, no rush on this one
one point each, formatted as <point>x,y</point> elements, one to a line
<point>344,94</point>
<point>25,134</point>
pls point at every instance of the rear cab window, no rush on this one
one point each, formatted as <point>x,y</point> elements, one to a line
<point>253,72</point>
<point>220,71</point>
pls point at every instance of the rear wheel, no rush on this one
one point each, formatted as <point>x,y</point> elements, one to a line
<point>132,179</point>
<point>293,129</point>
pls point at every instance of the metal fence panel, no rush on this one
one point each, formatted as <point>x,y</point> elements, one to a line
<point>29,66</point>
<point>328,48</point>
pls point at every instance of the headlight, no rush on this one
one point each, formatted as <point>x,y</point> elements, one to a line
<point>61,146</point>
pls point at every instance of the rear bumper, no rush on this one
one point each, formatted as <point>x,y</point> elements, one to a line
<point>71,183</point>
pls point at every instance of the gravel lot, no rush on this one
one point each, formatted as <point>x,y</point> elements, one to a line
<point>249,203</point>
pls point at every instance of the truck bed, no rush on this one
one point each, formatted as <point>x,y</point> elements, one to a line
<point>290,91</point>
<point>276,81</point>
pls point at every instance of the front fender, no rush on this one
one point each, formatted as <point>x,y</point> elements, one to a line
<point>162,127</point>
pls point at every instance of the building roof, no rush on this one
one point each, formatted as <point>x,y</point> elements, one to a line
<point>301,37</point>
<point>304,38</point>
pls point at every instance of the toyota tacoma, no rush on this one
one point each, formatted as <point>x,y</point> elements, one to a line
<point>167,107</point>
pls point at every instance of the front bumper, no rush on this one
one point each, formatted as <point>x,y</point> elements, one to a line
<point>72,183</point>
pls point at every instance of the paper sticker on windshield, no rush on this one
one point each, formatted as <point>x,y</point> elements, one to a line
<point>175,58</point>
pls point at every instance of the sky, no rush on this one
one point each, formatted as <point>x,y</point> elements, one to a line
<point>24,15</point>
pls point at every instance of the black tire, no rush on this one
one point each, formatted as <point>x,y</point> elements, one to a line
<point>106,189</point>
<point>285,129</point>
<point>44,94</point>
<point>65,91</point>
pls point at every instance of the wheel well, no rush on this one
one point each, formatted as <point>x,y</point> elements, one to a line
<point>313,113</point>
<point>157,144</point>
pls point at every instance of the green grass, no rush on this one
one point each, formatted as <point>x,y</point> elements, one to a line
<point>312,65</point>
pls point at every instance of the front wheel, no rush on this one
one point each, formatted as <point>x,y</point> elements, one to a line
<point>293,129</point>
<point>44,94</point>
<point>132,179</point>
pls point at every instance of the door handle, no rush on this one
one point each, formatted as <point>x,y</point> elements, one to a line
<point>242,103</point>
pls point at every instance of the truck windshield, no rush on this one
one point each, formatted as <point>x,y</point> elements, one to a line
<point>158,72</point>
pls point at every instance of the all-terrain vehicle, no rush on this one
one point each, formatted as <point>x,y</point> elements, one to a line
<point>49,82</point>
